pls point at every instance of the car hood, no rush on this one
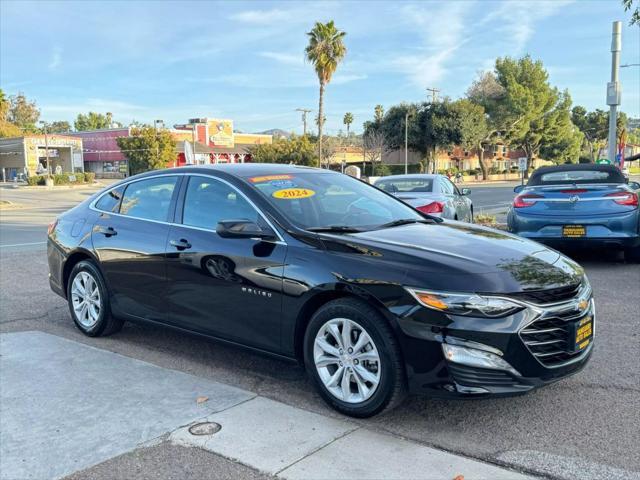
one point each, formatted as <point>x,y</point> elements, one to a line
<point>458,256</point>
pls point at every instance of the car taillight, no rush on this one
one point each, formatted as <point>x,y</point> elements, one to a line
<point>624,198</point>
<point>525,200</point>
<point>52,227</point>
<point>574,191</point>
<point>433,207</point>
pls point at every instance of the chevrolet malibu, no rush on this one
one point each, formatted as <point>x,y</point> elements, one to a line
<point>375,298</point>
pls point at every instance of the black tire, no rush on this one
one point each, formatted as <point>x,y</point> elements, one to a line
<point>472,217</point>
<point>391,389</point>
<point>106,323</point>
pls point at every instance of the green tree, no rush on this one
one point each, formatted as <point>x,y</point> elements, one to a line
<point>7,129</point>
<point>635,13</point>
<point>325,51</point>
<point>23,113</point>
<point>60,126</point>
<point>531,101</point>
<point>92,121</point>
<point>595,127</point>
<point>562,139</point>
<point>475,131</point>
<point>378,113</point>
<point>148,149</point>
<point>431,126</point>
<point>296,150</point>
<point>348,120</point>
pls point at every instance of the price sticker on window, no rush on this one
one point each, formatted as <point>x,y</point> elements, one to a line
<point>293,193</point>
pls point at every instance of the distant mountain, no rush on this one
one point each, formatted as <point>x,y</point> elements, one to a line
<point>276,133</point>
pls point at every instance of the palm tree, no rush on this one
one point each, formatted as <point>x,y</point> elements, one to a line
<point>348,120</point>
<point>325,51</point>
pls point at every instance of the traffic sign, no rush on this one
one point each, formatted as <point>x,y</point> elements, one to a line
<point>603,161</point>
<point>522,164</point>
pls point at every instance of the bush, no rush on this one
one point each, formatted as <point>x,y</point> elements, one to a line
<point>35,180</point>
<point>63,178</point>
<point>89,177</point>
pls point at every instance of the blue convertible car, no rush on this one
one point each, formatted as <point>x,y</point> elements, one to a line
<point>578,205</point>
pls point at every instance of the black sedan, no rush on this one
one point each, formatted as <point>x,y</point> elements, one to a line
<point>375,298</point>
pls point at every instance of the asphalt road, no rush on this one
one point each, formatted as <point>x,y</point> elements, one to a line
<point>580,427</point>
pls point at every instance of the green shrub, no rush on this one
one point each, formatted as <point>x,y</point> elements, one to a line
<point>89,177</point>
<point>35,180</point>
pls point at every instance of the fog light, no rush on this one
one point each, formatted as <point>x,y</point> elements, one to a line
<point>476,358</point>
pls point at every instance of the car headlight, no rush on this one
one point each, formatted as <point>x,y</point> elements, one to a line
<point>470,304</point>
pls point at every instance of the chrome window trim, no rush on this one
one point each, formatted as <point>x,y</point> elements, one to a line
<point>92,206</point>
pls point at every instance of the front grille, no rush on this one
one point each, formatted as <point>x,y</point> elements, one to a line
<point>553,295</point>
<point>551,339</point>
<point>480,377</point>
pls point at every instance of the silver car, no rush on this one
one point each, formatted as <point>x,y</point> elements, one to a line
<point>432,194</point>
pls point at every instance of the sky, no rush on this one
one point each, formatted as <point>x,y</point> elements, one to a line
<point>148,60</point>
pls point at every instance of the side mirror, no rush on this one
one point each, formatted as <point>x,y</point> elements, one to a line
<point>465,191</point>
<point>634,185</point>
<point>242,228</point>
<point>518,188</point>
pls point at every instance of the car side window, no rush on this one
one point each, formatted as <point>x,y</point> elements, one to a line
<point>446,186</point>
<point>208,201</point>
<point>110,201</point>
<point>149,199</point>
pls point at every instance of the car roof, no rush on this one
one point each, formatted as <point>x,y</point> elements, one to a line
<point>243,170</point>
<point>409,176</point>
<point>567,167</point>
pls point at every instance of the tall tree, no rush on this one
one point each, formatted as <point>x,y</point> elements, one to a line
<point>325,51</point>
<point>561,139</point>
<point>92,121</point>
<point>531,101</point>
<point>595,127</point>
<point>7,129</point>
<point>475,131</point>
<point>348,120</point>
<point>148,149</point>
<point>60,126</point>
<point>23,113</point>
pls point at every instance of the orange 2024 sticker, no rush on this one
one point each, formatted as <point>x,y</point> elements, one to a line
<point>293,193</point>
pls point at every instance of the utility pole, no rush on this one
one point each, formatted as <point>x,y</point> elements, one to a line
<point>434,94</point>
<point>406,142</point>
<point>46,148</point>
<point>613,89</point>
<point>304,119</point>
<point>155,125</point>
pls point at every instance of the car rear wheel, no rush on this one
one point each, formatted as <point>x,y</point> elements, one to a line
<point>353,358</point>
<point>89,302</point>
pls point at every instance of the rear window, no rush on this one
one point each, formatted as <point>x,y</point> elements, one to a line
<point>406,185</point>
<point>577,176</point>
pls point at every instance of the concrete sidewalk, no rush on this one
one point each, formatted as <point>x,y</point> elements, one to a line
<point>66,407</point>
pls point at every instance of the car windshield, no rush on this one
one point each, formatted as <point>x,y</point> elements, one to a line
<point>577,176</point>
<point>401,185</point>
<point>317,200</point>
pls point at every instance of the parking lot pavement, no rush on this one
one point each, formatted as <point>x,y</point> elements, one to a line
<point>586,426</point>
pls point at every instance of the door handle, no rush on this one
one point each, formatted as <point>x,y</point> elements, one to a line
<point>106,231</point>
<point>181,244</point>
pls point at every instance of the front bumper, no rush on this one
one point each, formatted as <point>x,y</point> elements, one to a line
<point>537,342</point>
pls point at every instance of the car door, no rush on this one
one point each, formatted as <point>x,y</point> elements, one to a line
<point>129,238</point>
<point>227,287</point>
<point>459,202</point>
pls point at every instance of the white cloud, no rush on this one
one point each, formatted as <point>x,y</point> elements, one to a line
<point>261,17</point>
<point>441,30</point>
<point>285,58</point>
<point>515,21</point>
<point>56,58</point>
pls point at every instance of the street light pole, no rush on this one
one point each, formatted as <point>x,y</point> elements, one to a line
<point>406,143</point>
<point>613,88</point>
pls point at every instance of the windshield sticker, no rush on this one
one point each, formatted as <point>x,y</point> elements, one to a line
<point>293,193</point>
<point>282,184</point>
<point>267,178</point>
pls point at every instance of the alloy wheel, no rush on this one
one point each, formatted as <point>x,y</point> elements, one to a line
<point>347,360</point>
<point>85,297</point>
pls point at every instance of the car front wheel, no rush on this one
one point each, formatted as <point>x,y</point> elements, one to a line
<point>88,300</point>
<point>353,358</point>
